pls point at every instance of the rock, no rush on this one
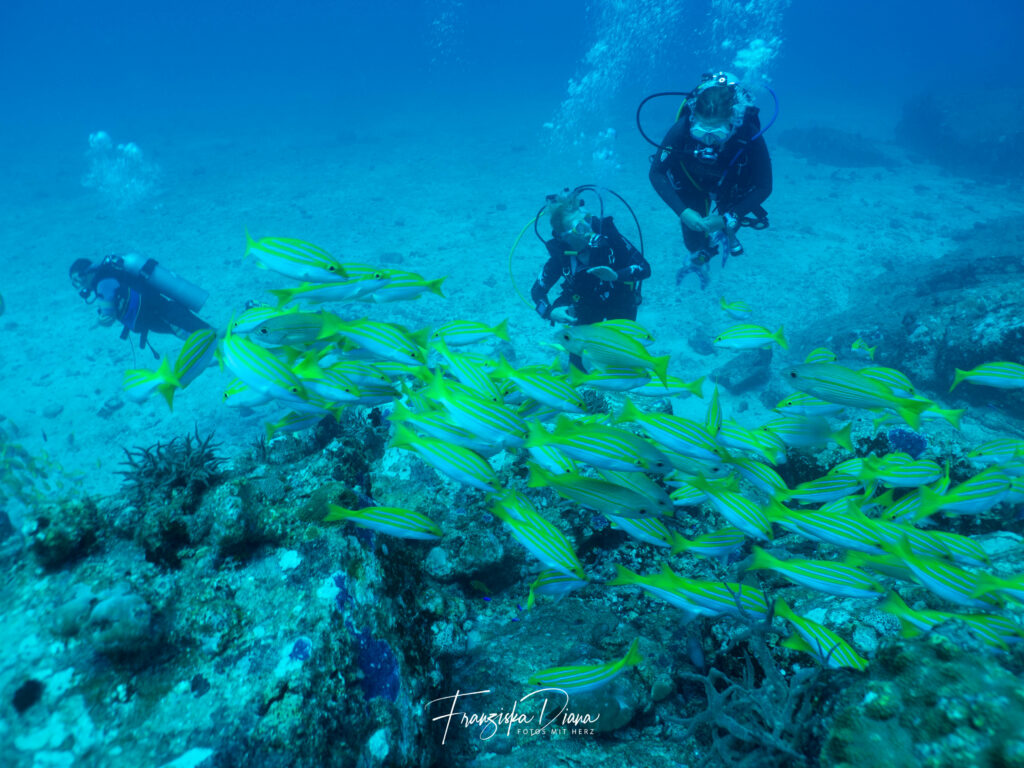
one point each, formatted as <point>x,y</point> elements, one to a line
<point>121,625</point>
<point>748,370</point>
<point>378,746</point>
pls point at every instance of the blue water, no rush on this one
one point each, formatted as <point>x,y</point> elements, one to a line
<point>78,63</point>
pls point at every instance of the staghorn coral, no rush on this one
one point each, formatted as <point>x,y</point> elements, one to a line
<point>182,469</point>
<point>758,715</point>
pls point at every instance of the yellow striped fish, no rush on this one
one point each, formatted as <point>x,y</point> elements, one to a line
<point>579,679</point>
<point>394,521</point>
<point>296,259</point>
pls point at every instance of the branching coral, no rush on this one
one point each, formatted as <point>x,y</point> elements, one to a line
<point>760,717</point>
<point>184,468</point>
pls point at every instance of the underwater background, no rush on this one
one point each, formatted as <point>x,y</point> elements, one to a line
<point>171,595</point>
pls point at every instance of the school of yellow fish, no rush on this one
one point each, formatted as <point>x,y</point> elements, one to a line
<point>873,519</point>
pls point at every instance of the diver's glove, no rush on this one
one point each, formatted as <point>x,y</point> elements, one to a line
<point>561,315</point>
<point>607,274</point>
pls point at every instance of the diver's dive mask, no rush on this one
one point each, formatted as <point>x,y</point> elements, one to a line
<point>582,231</point>
<point>710,134</point>
<point>83,279</point>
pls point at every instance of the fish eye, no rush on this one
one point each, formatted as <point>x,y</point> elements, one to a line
<point>792,374</point>
<point>264,331</point>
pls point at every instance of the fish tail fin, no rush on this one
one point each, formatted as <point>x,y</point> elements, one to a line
<point>958,376</point>
<point>696,387</point>
<point>169,382</point>
<point>628,413</point>
<point>780,337</point>
<point>893,604</point>
<point>283,295</point>
<point>776,512</point>
<point>434,286</point>
<point>931,502</point>
<point>660,365</point>
<point>538,476</point>
<point>910,410</point>
<point>761,560</point>
<point>679,543</point>
<point>952,415</point>
<point>576,376</point>
<point>501,330</point>
<point>986,584</point>
<point>842,437</point>
<point>632,657</point>
<point>336,513</point>
<point>249,244</point>
<point>403,436</point>
<point>623,576</point>
<point>537,436</point>
<point>782,610</point>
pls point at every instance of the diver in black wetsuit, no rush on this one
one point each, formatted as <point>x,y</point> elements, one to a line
<point>141,295</point>
<point>600,270</point>
<point>714,154</point>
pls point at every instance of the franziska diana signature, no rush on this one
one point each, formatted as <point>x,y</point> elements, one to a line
<point>552,705</point>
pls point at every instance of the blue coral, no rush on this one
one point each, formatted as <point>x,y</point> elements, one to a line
<point>379,667</point>
<point>907,442</point>
<point>302,649</point>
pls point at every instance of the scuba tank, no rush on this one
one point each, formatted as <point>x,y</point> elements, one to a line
<point>162,279</point>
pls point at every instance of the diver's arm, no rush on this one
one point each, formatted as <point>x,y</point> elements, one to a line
<point>660,164</point>
<point>758,181</point>
<point>549,275</point>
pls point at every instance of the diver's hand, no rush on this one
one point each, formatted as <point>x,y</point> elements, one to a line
<point>106,320</point>
<point>691,220</point>
<point>561,315</point>
<point>712,224</point>
<point>607,274</point>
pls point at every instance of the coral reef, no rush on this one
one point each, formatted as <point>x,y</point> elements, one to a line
<point>180,471</point>
<point>931,702</point>
<point>64,532</point>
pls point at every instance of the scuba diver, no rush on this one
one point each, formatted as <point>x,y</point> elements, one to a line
<point>141,295</point>
<point>601,271</point>
<point>713,156</point>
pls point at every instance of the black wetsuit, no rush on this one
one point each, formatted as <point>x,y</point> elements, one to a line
<point>133,302</point>
<point>690,175</point>
<point>592,299</point>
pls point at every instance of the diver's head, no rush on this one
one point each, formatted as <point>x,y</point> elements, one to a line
<point>81,274</point>
<point>713,108</point>
<point>564,212</point>
<point>568,221</point>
